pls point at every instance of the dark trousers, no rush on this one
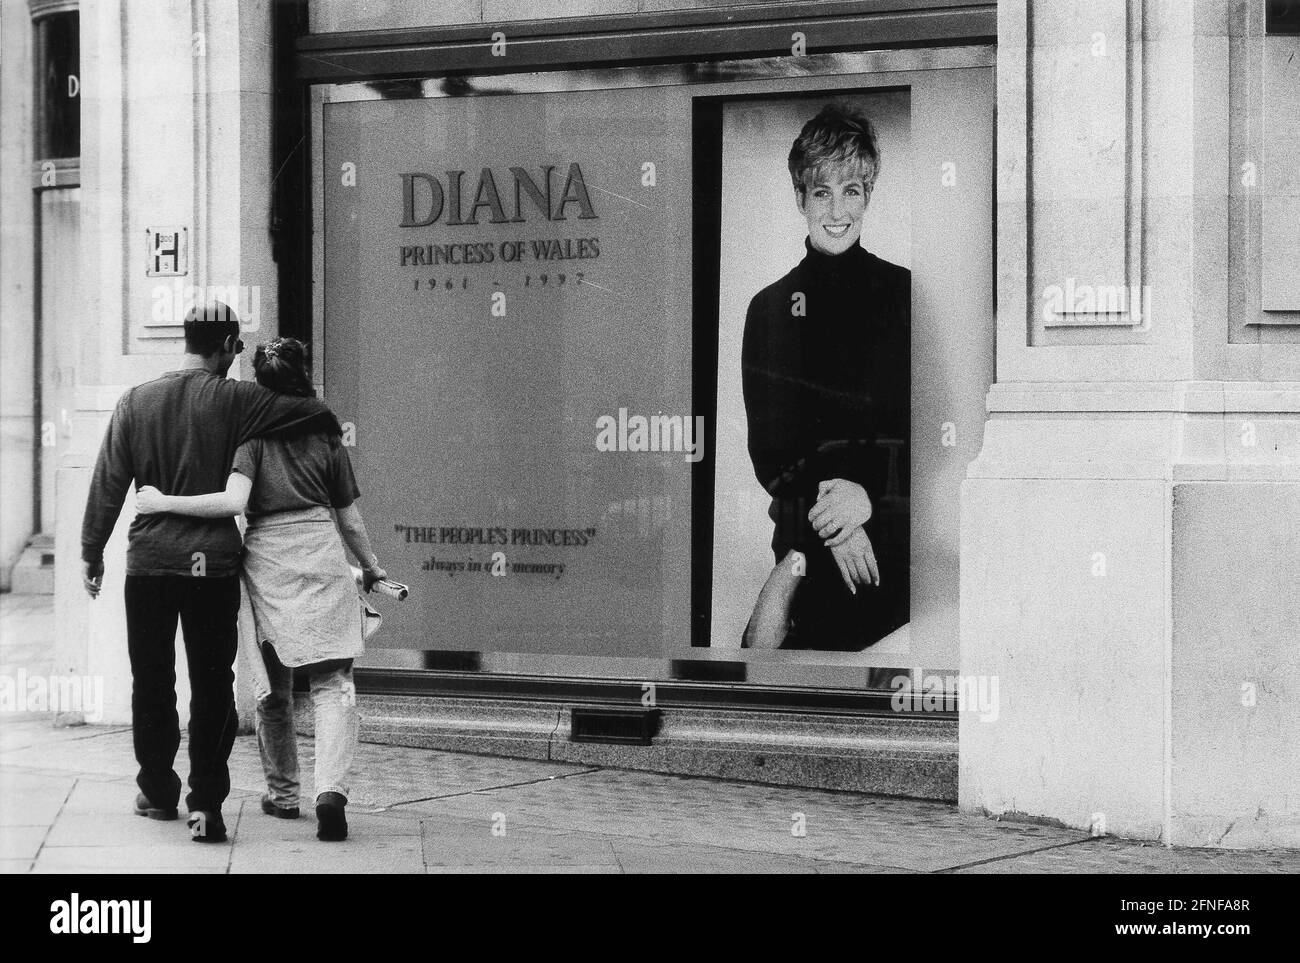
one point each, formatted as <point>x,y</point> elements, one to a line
<point>207,608</point>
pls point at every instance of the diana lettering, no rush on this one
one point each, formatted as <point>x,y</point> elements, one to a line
<point>427,198</point>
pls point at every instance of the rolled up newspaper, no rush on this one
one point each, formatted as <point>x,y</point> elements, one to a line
<point>385,586</point>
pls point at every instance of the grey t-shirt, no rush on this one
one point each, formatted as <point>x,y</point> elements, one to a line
<point>290,474</point>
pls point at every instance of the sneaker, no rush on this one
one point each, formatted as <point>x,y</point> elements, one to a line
<point>332,823</point>
<point>206,827</point>
<point>143,807</point>
<point>279,812</point>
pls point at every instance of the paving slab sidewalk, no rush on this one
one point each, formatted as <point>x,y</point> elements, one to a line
<point>66,796</point>
<point>65,806</point>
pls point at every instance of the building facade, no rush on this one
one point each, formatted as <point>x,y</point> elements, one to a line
<point>521,238</point>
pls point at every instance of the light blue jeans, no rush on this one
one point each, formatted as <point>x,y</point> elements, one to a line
<point>334,700</point>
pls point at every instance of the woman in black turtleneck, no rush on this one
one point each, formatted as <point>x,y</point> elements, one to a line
<point>827,383</point>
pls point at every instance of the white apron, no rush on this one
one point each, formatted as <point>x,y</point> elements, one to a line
<point>301,589</point>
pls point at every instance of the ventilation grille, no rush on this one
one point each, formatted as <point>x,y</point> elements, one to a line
<point>634,727</point>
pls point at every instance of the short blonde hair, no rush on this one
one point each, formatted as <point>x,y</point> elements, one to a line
<point>839,136</point>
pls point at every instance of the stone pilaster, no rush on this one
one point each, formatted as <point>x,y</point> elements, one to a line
<point>1129,529</point>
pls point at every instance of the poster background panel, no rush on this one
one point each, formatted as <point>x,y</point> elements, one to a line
<point>470,423</point>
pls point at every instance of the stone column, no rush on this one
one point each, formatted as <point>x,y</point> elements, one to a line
<point>1131,528</point>
<point>17,307</point>
<point>176,132</point>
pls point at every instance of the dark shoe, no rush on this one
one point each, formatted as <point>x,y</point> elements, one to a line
<point>143,807</point>
<point>332,823</point>
<point>206,827</point>
<point>279,812</point>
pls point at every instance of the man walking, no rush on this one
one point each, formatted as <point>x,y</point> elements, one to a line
<point>179,433</point>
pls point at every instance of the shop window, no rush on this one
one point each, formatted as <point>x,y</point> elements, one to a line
<point>58,85</point>
<point>1282,17</point>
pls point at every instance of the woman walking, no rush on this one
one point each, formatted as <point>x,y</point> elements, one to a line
<point>299,495</point>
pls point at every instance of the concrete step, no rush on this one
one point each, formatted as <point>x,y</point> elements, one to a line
<point>892,756</point>
<point>33,573</point>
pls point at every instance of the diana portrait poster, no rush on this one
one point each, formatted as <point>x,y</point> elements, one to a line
<point>811,546</point>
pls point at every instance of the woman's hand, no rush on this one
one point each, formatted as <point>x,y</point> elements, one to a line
<point>371,574</point>
<point>149,501</point>
<point>857,560</point>
<point>841,507</point>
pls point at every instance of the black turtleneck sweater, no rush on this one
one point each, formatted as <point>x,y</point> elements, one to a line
<point>826,388</point>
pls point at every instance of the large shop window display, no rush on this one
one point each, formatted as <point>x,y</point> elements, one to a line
<point>639,369</point>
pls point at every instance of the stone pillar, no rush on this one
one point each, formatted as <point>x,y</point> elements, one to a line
<point>176,132</point>
<point>1131,528</point>
<point>17,307</point>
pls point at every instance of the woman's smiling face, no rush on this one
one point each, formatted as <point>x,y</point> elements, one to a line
<point>834,203</point>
